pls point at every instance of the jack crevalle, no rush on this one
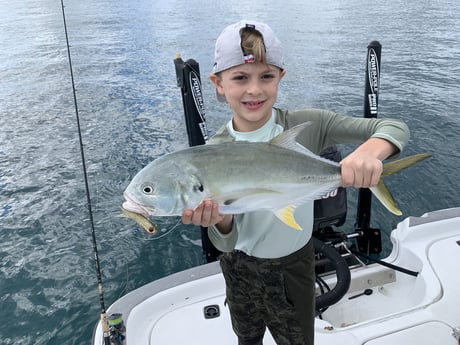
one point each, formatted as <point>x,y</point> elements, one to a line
<point>278,175</point>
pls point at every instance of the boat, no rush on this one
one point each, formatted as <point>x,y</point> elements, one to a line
<point>409,297</point>
<point>381,306</point>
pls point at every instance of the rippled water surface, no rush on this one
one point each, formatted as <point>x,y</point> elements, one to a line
<point>131,112</point>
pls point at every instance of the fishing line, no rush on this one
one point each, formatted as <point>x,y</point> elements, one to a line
<point>154,238</point>
<point>150,239</point>
<point>104,322</point>
<point>125,289</point>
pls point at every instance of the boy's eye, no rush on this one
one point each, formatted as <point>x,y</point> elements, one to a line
<point>243,77</point>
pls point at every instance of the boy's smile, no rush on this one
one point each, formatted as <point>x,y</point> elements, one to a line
<point>250,90</point>
<point>253,105</point>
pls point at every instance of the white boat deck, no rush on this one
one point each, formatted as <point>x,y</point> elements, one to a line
<point>402,309</point>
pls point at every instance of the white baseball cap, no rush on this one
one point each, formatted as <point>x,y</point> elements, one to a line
<point>228,52</point>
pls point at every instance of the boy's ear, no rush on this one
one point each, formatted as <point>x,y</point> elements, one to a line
<point>283,73</point>
<point>216,80</point>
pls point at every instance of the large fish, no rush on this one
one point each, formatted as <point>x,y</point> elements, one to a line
<point>242,177</point>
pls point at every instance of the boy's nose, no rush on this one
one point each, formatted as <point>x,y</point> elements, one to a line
<point>254,88</point>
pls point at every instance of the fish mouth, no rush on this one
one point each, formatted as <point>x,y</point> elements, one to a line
<point>132,205</point>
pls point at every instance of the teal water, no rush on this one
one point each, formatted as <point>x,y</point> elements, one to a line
<point>131,112</point>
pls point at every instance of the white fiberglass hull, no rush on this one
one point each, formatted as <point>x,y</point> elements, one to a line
<point>402,309</point>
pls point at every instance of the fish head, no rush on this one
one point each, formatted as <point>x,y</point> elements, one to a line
<point>163,189</point>
<point>149,199</point>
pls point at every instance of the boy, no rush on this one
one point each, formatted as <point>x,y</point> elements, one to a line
<point>269,267</point>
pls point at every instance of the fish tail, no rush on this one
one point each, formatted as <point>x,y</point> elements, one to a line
<point>381,191</point>
<point>403,163</point>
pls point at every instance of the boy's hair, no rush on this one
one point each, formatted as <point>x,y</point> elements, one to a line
<point>252,43</point>
<point>246,42</point>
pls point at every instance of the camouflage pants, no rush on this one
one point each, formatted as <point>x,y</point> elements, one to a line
<point>274,293</point>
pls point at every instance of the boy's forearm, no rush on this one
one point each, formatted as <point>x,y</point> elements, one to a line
<point>378,148</point>
<point>225,225</point>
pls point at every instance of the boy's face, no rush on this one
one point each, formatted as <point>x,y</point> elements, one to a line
<point>251,90</point>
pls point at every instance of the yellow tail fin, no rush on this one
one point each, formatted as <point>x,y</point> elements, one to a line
<point>382,193</point>
<point>403,163</point>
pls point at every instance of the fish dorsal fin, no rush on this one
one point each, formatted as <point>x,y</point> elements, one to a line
<point>287,140</point>
<point>286,215</point>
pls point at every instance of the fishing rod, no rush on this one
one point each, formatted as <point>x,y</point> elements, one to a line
<point>104,321</point>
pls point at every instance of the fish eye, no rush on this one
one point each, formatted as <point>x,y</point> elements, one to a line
<point>148,189</point>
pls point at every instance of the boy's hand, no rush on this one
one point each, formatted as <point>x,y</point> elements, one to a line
<point>206,214</point>
<point>361,171</point>
<point>363,167</point>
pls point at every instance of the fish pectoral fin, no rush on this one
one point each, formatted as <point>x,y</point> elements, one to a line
<point>238,201</point>
<point>286,215</point>
<point>383,194</point>
<point>230,198</point>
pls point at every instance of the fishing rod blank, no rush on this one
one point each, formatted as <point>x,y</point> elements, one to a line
<point>104,322</point>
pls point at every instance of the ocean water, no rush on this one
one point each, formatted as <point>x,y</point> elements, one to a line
<point>131,112</point>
